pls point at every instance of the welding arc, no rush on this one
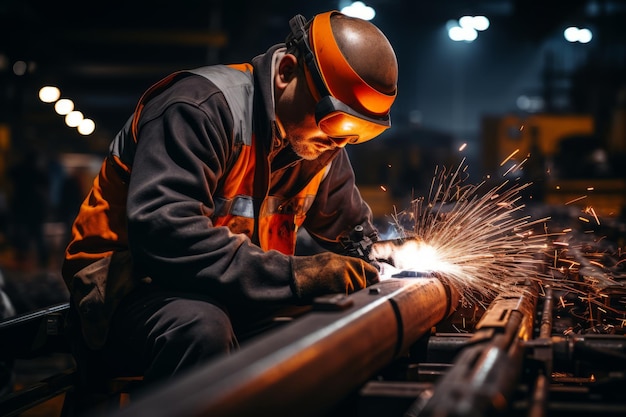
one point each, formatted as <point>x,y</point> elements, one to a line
<point>481,241</point>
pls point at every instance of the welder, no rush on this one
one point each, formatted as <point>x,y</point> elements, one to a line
<point>189,231</point>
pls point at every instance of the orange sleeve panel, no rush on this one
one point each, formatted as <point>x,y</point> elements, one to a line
<point>100,227</point>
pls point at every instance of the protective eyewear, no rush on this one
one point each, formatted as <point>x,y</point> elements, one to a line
<point>338,120</point>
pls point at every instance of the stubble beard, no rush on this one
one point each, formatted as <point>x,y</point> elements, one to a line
<point>304,149</point>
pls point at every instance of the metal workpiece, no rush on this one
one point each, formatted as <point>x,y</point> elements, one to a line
<point>305,367</point>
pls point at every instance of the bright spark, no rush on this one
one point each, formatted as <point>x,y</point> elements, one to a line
<point>509,157</point>
<point>474,239</point>
<point>575,200</point>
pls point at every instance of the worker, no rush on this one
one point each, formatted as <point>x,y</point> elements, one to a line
<point>189,230</point>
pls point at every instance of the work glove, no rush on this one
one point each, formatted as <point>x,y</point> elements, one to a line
<point>329,273</point>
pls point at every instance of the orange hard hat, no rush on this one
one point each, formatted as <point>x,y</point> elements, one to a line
<point>347,106</point>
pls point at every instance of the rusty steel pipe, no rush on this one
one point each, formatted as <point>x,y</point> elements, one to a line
<point>307,366</point>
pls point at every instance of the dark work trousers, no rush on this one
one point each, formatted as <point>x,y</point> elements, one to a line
<point>166,333</point>
<point>159,335</point>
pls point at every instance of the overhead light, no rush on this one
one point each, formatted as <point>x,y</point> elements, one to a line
<point>480,23</point>
<point>64,106</point>
<point>360,10</point>
<point>467,28</point>
<point>49,94</point>
<point>574,34</point>
<point>86,127</point>
<point>73,118</point>
<point>458,33</point>
<point>20,67</point>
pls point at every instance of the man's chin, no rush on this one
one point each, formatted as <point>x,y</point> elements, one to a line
<point>309,154</point>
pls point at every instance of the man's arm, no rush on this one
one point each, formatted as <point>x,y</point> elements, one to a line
<point>339,219</point>
<point>180,157</point>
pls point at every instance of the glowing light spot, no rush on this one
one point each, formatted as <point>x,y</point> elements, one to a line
<point>463,147</point>
<point>360,10</point>
<point>19,68</point>
<point>73,118</point>
<point>49,94</point>
<point>86,127</point>
<point>64,106</point>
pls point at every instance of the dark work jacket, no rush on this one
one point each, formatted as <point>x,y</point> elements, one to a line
<point>158,209</point>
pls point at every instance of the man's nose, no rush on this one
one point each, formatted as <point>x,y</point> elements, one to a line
<point>341,142</point>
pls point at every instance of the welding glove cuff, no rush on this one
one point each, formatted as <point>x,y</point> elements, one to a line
<point>329,273</point>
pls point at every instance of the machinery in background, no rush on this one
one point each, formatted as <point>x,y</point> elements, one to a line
<point>564,157</point>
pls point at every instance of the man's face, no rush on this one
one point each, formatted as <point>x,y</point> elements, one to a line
<point>295,109</point>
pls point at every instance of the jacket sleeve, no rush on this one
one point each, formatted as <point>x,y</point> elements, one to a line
<point>339,207</point>
<point>181,154</point>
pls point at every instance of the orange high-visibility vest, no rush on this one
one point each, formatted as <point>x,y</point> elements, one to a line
<point>271,222</point>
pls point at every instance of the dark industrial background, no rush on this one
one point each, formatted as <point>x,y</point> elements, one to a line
<point>519,102</point>
<point>103,55</point>
<point>519,86</point>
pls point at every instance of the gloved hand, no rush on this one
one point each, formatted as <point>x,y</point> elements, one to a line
<point>329,273</point>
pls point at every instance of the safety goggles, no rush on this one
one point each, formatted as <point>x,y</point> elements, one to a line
<point>333,116</point>
<point>338,120</point>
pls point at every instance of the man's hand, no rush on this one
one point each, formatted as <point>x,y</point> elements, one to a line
<point>329,273</point>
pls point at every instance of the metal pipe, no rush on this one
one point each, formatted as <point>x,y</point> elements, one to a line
<point>307,366</point>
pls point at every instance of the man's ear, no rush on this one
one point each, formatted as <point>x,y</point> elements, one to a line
<point>287,70</point>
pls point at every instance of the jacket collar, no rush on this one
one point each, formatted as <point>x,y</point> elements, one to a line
<point>265,115</point>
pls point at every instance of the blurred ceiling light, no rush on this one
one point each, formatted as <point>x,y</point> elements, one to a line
<point>49,94</point>
<point>481,23</point>
<point>574,34</point>
<point>64,106</point>
<point>73,118</point>
<point>530,104</point>
<point>458,33</point>
<point>360,10</point>
<point>20,67</point>
<point>584,35</point>
<point>86,127</point>
<point>467,27</point>
<point>475,22</point>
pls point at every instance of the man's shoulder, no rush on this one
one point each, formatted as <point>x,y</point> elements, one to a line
<point>199,85</point>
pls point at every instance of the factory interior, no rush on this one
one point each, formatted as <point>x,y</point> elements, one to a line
<point>514,127</point>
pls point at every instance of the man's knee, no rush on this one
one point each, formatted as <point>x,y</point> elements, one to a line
<point>201,328</point>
